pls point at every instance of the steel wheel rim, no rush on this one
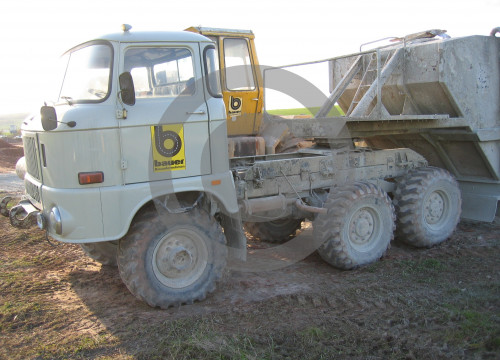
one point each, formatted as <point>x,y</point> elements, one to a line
<point>363,227</point>
<point>436,208</point>
<point>180,258</point>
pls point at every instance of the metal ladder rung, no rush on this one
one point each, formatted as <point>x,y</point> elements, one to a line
<point>372,67</point>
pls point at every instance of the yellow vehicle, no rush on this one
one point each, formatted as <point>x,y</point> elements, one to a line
<point>241,79</point>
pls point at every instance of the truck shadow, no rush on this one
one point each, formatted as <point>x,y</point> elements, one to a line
<point>311,282</point>
<point>111,305</point>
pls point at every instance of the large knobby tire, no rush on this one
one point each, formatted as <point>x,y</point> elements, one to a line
<point>103,252</point>
<point>428,206</point>
<point>358,228</point>
<point>172,259</point>
<point>276,231</point>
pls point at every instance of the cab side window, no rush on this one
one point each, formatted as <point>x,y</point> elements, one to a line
<point>212,71</point>
<point>161,71</point>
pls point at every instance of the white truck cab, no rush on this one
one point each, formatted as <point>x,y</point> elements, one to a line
<point>135,149</point>
<point>103,151</point>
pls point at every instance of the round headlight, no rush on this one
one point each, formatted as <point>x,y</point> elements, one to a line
<point>21,168</point>
<point>55,220</point>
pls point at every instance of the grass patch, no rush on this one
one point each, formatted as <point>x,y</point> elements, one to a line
<point>203,338</point>
<point>15,315</point>
<point>373,267</point>
<point>476,329</point>
<point>311,335</point>
<point>422,271</point>
<point>83,347</point>
<point>7,278</point>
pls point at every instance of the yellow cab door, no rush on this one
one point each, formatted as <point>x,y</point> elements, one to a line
<point>240,87</point>
<point>240,78</point>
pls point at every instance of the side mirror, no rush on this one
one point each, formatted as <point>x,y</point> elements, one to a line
<point>127,91</point>
<point>49,118</point>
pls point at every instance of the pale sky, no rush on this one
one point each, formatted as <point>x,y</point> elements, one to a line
<point>35,33</point>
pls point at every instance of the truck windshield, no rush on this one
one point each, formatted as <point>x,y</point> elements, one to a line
<point>87,76</point>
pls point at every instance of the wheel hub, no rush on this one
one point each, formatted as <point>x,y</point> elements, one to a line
<point>434,208</point>
<point>362,226</point>
<point>179,258</point>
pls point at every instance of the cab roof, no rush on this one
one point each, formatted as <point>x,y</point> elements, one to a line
<point>221,32</point>
<point>154,36</point>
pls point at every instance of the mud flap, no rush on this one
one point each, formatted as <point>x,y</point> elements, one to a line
<point>235,237</point>
<point>479,200</point>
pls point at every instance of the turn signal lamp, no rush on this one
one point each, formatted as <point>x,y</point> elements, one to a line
<point>87,178</point>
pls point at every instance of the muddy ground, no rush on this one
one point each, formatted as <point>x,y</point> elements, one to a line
<point>10,151</point>
<point>438,303</point>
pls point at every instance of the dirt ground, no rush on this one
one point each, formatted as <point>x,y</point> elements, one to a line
<point>10,151</point>
<point>438,303</point>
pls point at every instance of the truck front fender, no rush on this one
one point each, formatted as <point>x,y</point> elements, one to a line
<point>121,203</point>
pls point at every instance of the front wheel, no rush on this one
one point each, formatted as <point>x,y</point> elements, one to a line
<point>172,259</point>
<point>428,205</point>
<point>358,227</point>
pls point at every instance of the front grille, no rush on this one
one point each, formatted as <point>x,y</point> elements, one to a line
<point>31,157</point>
<point>32,190</point>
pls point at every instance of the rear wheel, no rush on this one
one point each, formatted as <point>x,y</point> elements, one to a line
<point>358,227</point>
<point>276,231</point>
<point>103,252</point>
<point>428,205</point>
<point>172,259</point>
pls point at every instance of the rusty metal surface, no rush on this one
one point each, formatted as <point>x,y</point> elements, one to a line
<point>295,175</point>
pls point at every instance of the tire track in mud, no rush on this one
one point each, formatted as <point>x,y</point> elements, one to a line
<point>423,274</point>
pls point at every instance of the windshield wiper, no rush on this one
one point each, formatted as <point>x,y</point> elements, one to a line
<point>68,99</point>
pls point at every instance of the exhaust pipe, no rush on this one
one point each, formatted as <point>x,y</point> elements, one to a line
<point>279,202</point>
<point>253,206</point>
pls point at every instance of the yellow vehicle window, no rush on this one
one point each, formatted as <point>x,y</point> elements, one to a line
<point>239,72</point>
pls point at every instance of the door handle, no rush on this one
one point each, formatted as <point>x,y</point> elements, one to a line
<point>196,113</point>
<point>256,99</point>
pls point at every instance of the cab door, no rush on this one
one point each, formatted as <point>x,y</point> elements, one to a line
<point>240,83</point>
<point>165,134</point>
